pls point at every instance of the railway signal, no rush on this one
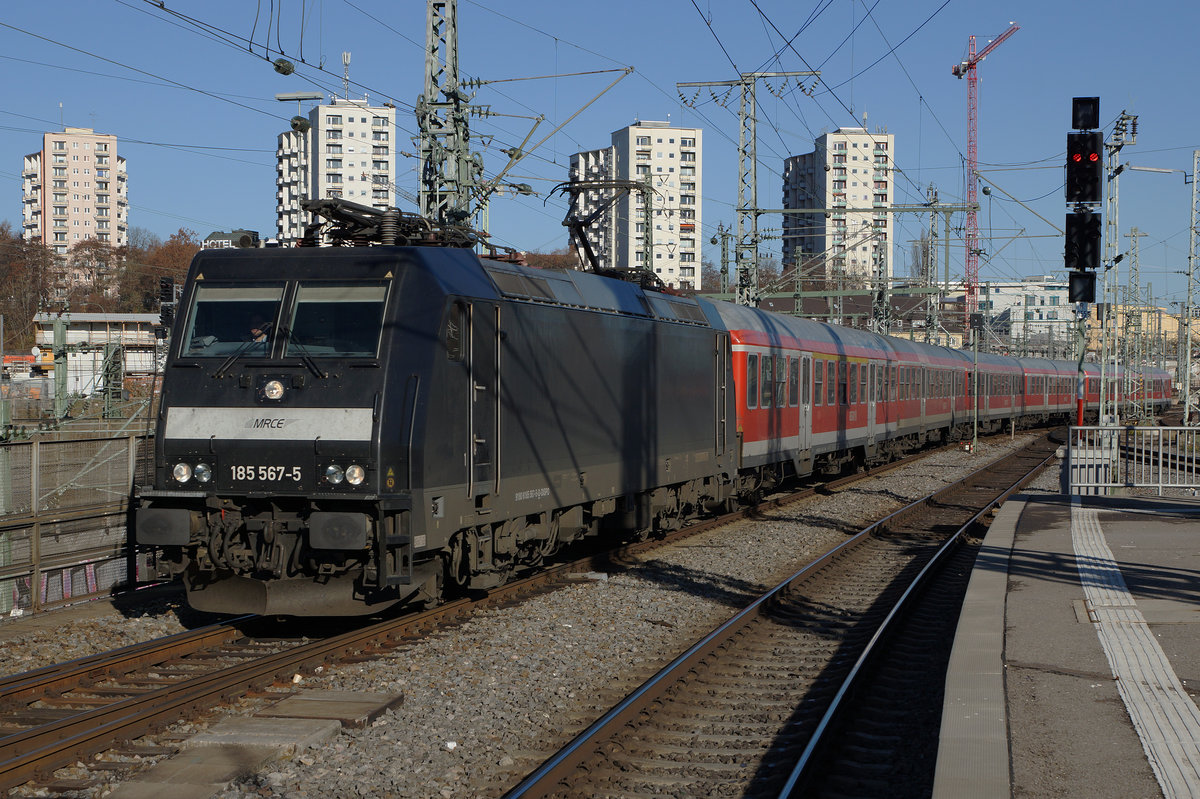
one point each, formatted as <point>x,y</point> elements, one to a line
<point>1084,187</point>
<point>166,301</point>
<point>1085,167</point>
<point>1082,240</point>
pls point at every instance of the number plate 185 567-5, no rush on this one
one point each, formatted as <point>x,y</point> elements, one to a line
<point>265,474</point>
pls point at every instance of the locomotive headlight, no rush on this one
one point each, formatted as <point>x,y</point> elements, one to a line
<point>182,472</point>
<point>355,474</point>
<point>203,472</point>
<point>273,390</point>
<point>334,474</point>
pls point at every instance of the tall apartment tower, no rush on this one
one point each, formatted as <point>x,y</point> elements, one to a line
<point>669,160</point>
<point>346,152</point>
<point>850,174</point>
<point>76,188</point>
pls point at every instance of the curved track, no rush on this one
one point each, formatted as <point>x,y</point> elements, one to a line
<point>743,711</point>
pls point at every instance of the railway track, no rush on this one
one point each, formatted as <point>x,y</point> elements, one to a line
<point>69,712</point>
<point>743,711</point>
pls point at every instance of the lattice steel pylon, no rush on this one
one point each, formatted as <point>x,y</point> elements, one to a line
<point>969,70</point>
<point>1191,413</point>
<point>746,246</point>
<point>449,173</point>
<point>1136,350</point>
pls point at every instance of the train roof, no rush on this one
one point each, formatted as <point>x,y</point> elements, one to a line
<point>457,272</point>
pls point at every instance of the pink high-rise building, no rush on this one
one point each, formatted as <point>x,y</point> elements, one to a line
<point>76,188</point>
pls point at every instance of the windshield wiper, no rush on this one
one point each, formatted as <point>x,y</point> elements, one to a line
<point>302,354</point>
<point>242,350</point>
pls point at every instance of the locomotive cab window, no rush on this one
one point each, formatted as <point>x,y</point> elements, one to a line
<point>456,332</point>
<point>342,321</point>
<point>224,320</point>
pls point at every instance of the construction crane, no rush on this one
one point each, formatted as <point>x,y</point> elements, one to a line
<point>968,68</point>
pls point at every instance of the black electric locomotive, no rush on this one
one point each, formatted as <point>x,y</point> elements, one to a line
<point>344,428</point>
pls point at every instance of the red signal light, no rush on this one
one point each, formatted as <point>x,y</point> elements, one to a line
<point>1093,157</point>
<point>1076,157</point>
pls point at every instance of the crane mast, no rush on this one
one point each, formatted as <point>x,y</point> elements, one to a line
<point>968,69</point>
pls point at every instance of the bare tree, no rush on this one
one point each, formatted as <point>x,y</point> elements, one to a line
<point>25,269</point>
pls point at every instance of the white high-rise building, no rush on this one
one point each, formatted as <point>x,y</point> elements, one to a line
<point>346,152</point>
<point>850,174</point>
<point>669,160</point>
<point>76,188</point>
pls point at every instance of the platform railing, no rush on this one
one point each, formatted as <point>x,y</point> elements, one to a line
<point>1104,459</point>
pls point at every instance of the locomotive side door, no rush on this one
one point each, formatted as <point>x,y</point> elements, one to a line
<point>483,427</point>
<point>721,412</point>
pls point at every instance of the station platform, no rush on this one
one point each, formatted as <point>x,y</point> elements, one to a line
<point>1076,666</point>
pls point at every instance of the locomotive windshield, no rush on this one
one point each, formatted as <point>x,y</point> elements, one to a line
<point>227,319</point>
<point>319,320</point>
<point>343,321</point>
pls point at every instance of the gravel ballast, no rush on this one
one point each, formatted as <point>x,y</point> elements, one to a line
<point>487,701</point>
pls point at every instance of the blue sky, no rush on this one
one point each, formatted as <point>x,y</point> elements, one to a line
<point>192,101</point>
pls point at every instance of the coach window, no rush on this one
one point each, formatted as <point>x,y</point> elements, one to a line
<point>892,384</point>
<point>767,385</point>
<point>781,373</point>
<point>819,382</point>
<point>853,384</point>
<point>841,395</point>
<point>806,382</point>
<point>831,383</point>
<point>793,381</point>
<point>862,383</point>
<point>751,381</point>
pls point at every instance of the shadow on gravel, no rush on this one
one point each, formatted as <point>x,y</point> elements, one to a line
<point>729,591</point>
<point>162,599</point>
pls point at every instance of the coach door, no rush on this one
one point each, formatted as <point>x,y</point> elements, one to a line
<point>872,394</point>
<point>484,422</point>
<point>805,424</point>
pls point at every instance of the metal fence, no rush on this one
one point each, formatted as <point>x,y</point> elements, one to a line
<point>64,504</point>
<point>1104,459</point>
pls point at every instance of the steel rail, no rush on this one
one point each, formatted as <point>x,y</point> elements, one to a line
<point>69,674</point>
<point>802,769</point>
<point>542,781</point>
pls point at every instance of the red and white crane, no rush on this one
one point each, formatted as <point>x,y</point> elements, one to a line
<point>968,68</point>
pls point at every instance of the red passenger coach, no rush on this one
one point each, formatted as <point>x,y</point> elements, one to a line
<point>814,397</point>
